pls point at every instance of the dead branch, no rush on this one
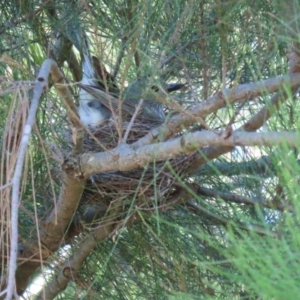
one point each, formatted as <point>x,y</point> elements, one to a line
<point>39,88</point>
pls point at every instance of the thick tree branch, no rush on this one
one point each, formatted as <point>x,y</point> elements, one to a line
<point>69,271</point>
<point>265,113</point>
<point>124,158</point>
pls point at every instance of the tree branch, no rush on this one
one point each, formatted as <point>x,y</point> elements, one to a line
<point>67,98</point>
<point>69,271</point>
<point>219,100</point>
<point>124,158</point>
<point>262,116</point>
<point>231,197</point>
<point>198,210</point>
<point>39,88</point>
<point>55,226</point>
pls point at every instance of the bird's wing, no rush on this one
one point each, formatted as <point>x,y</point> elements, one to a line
<point>106,99</point>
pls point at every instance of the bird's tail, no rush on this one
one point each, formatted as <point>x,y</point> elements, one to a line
<point>80,41</point>
<point>88,73</point>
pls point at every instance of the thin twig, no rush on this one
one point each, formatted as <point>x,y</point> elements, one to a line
<point>167,60</point>
<point>137,109</point>
<point>5,186</point>
<point>25,18</point>
<point>197,209</point>
<point>119,59</point>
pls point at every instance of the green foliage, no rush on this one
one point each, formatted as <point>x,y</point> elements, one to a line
<point>212,246</point>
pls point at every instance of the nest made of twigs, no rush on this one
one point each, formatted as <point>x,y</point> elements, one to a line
<point>153,180</point>
<point>107,135</point>
<point>145,186</point>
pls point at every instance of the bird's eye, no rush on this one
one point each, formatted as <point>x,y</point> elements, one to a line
<point>94,104</point>
<point>154,88</point>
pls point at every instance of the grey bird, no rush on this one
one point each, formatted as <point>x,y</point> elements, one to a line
<point>142,89</point>
<point>151,109</point>
<point>99,93</point>
<point>91,111</point>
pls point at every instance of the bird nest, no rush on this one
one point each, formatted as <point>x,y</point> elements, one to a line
<point>108,135</point>
<point>145,187</point>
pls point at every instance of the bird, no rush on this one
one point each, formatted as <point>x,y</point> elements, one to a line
<point>91,111</point>
<point>152,109</point>
<point>142,89</point>
<point>95,108</point>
